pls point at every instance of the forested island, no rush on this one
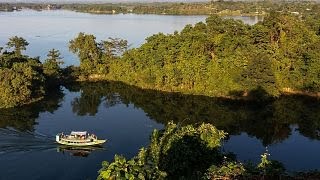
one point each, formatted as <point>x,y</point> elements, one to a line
<point>218,58</point>
<point>221,57</point>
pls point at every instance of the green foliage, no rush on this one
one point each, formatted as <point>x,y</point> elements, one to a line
<point>264,161</point>
<point>18,43</point>
<point>259,75</point>
<point>269,167</point>
<point>95,57</point>
<point>229,170</point>
<point>23,83</point>
<point>113,47</point>
<point>221,57</point>
<point>218,7</point>
<point>180,149</point>
<point>51,66</point>
<point>71,73</point>
<point>121,169</point>
<point>224,57</point>
<point>174,152</point>
<point>186,152</point>
<point>24,80</point>
<point>86,48</point>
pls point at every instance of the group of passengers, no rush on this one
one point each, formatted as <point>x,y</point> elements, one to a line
<point>82,137</point>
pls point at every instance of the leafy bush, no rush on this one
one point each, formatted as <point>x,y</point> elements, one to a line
<point>173,153</point>
<point>229,170</point>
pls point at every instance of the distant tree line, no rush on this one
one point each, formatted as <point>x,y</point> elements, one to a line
<point>248,8</point>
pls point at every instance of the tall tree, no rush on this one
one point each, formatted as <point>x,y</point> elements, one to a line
<point>86,47</point>
<point>54,56</point>
<point>259,77</point>
<point>51,66</point>
<point>18,43</point>
<point>114,47</point>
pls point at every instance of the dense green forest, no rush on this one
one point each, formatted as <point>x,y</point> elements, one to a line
<point>25,79</point>
<point>221,57</point>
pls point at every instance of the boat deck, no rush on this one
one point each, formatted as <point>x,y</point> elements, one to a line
<point>78,139</point>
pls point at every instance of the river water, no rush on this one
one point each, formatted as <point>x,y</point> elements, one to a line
<point>289,128</point>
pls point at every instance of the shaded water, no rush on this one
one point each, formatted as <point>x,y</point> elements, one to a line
<point>126,116</point>
<point>27,148</point>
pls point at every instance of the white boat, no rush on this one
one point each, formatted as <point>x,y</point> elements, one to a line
<point>78,138</point>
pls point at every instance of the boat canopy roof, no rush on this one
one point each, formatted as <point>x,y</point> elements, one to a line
<point>79,133</point>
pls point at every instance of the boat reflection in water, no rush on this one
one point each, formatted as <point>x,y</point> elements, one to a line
<point>78,151</point>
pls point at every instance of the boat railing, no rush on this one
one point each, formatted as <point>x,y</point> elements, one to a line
<point>83,139</point>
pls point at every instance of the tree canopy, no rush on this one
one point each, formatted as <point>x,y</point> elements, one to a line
<point>23,79</point>
<point>221,57</point>
<point>51,66</point>
<point>18,43</point>
<point>21,83</point>
<point>187,152</point>
<point>94,56</point>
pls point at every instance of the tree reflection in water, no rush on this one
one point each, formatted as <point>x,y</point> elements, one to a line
<point>78,151</point>
<point>23,118</point>
<point>269,121</point>
<point>17,125</point>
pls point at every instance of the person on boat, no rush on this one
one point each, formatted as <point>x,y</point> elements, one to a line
<point>94,136</point>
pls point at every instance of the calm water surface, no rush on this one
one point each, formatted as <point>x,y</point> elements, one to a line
<point>289,127</point>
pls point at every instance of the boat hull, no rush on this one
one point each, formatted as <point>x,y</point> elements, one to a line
<point>78,144</point>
